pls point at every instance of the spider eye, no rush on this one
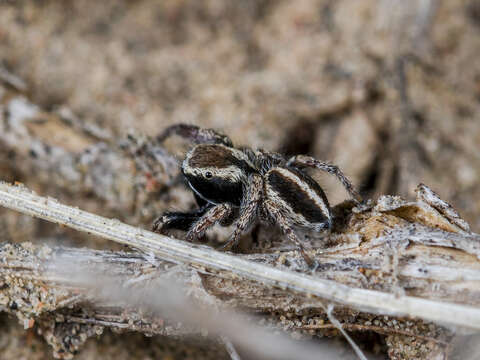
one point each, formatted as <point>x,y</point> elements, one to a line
<point>208,174</point>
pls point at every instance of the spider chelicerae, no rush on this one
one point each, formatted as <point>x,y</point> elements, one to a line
<point>241,186</point>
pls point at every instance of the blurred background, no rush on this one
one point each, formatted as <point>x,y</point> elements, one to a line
<point>387,90</point>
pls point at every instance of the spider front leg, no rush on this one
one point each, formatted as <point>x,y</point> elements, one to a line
<point>275,212</point>
<point>248,210</point>
<point>179,220</point>
<point>214,214</point>
<point>195,134</point>
<point>302,161</point>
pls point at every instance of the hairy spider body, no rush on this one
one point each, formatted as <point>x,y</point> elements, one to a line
<point>217,173</point>
<point>299,197</point>
<point>243,185</point>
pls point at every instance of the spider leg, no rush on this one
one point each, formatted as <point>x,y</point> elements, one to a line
<point>286,228</point>
<point>178,220</point>
<point>195,134</point>
<point>308,161</point>
<point>214,214</point>
<point>248,210</point>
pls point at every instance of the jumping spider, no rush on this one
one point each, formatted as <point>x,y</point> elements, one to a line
<point>241,185</point>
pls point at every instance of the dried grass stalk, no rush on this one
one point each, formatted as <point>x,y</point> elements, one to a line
<point>373,262</point>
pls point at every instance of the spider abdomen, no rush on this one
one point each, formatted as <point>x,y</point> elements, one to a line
<point>299,197</point>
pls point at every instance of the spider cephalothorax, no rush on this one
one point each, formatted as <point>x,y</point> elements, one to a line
<point>243,185</point>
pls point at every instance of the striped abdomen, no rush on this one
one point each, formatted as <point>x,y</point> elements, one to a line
<point>298,197</point>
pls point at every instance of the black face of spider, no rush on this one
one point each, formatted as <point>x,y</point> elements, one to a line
<point>217,173</point>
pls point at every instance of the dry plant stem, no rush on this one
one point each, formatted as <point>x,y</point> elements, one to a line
<point>22,200</point>
<point>339,326</point>
<point>161,299</point>
<point>230,348</point>
<point>167,297</point>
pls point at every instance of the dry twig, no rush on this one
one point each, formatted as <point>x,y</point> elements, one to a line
<point>207,259</point>
<point>438,256</point>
